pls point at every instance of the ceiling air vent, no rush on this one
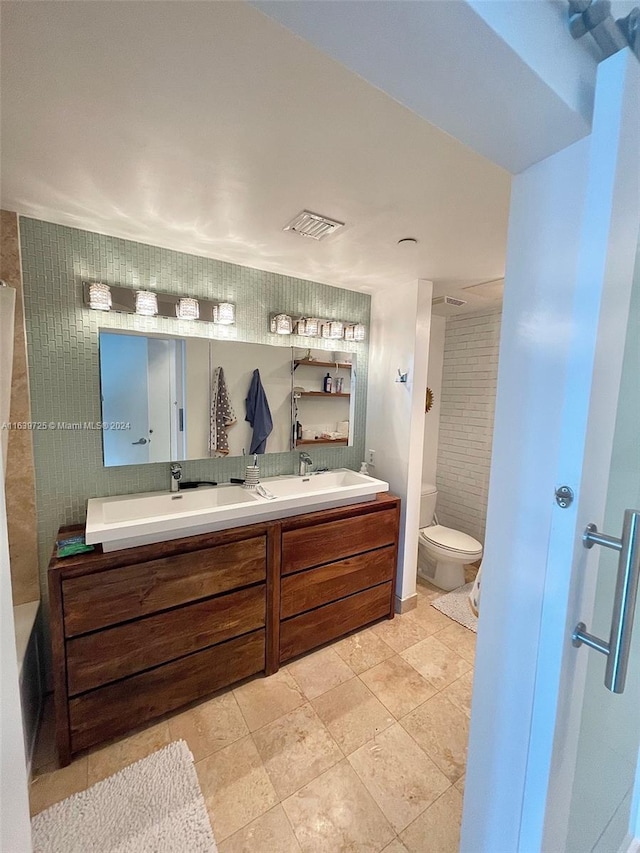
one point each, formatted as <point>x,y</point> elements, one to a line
<point>312,225</point>
<point>445,305</point>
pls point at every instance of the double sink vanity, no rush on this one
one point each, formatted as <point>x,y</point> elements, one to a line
<point>189,592</point>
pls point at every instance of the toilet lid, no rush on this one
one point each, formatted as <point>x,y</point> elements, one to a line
<point>454,540</point>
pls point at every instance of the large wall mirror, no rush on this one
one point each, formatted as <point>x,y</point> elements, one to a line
<point>185,398</point>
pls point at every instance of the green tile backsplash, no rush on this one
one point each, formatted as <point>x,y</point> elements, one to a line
<point>62,339</point>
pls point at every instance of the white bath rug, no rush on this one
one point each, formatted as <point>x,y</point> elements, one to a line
<point>455,605</point>
<point>152,806</point>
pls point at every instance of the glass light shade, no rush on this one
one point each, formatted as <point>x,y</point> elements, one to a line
<point>187,308</point>
<point>333,329</point>
<point>224,313</point>
<point>355,332</point>
<point>100,296</point>
<point>309,327</point>
<point>281,324</point>
<point>146,303</point>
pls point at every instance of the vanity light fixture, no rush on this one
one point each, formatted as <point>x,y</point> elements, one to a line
<point>355,332</point>
<point>224,313</point>
<point>187,308</point>
<point>146,303</point>
<point>333,329</point>
<point>309,327</point>
<point>100,296</point>
<point>281,324</point>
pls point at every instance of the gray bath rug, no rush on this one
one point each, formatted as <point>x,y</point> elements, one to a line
<point>455,605</point>
<point>152,806</point>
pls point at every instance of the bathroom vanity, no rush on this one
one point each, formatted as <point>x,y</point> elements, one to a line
<point>140,632</point>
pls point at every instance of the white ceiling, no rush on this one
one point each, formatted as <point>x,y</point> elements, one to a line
<point>205,127</point>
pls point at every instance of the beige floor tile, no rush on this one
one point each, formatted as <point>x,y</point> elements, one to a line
<point>352,714</point>
<point>438,828</point>
<point>209,726</point>
<point>427,617</point>
<point>400,777</point>
<point>235,786</point>
<point>460,639</point>
<point>398,686</point>
<point>269,833</point>
<point>113,757</point>
<point>263,700</point>
<point>436,662</point>
<point>400,633</point>
<point>442,730</point>
<point>363,650</point>
<point>460,784</point>
<point>50,788</point>
<point>459,692</point>
<point>396,846</point>
<point>319,672</point>
<point>335,813</point>
<point>295,749</point>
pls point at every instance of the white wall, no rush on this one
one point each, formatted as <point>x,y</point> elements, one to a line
<point>197,394</point>
<point>400,323</point>
<point>434,381</point>
<point>469,381</point>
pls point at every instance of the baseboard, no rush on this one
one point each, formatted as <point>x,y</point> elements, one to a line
<point>404,605</point>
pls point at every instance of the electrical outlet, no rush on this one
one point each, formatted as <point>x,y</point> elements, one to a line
<point>371,458</point>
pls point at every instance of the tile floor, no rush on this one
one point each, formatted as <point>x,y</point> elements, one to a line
<point>360,746</point>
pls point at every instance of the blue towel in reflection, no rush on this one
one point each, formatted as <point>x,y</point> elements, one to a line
<point>258,414</point>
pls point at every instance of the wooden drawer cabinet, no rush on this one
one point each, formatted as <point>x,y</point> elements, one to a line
<point>138,633</point>
<point>338,573</point>
<point>141,632</point>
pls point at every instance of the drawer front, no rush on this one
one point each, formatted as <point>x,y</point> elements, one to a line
<point>315,587</point>
<point>117,708</point>
<point>107,598</point>
<point>96,659</point>
<point>301,633</point>
<point>335,540</point>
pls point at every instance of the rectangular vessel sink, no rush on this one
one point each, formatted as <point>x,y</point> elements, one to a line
<point>129,520</point>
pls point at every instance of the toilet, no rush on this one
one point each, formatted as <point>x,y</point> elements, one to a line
<point>442,551</point>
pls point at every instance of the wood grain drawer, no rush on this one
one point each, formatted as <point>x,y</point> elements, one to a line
<point>96,659</point>
<point>301,633</point>
<point>314,587</point>
<point>335,540</point>
<point>116,708</point>
<point>107,598</point>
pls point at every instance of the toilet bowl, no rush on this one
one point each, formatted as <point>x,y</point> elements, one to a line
<point>442,551</point>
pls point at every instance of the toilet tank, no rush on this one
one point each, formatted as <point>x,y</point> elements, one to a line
<point>427,504</point>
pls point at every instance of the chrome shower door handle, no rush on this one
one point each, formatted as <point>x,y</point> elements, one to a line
<point>624,604</point>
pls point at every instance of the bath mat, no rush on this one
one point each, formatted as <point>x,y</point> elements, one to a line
<point>152,806</point>
<point>455,605</point>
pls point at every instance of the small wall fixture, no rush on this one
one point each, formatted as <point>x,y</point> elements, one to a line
<point>355,332</point>
<point>403,376</point>
<point>103,297</point>
<point>224,313</point>
<point>187,308</point>
<point>281,324</point>
<point>146,303</point>
<point>100,296</point>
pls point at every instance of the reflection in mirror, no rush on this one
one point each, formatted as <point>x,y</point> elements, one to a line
<point>161,386</point>
<point>323,397</point>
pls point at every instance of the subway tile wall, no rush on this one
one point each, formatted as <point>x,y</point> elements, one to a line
<point>469,381</point>
<point>62,340</point>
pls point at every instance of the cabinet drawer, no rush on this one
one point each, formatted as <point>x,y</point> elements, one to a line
<point>301,633</point>
<point>321,585</point>
<point>117,708</point>
<point>107,598</point>
<point>95,659</point>
<point>334,540</point>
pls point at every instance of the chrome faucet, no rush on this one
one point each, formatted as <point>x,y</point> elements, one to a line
<point>176,476</point>
<point>304,463</point>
